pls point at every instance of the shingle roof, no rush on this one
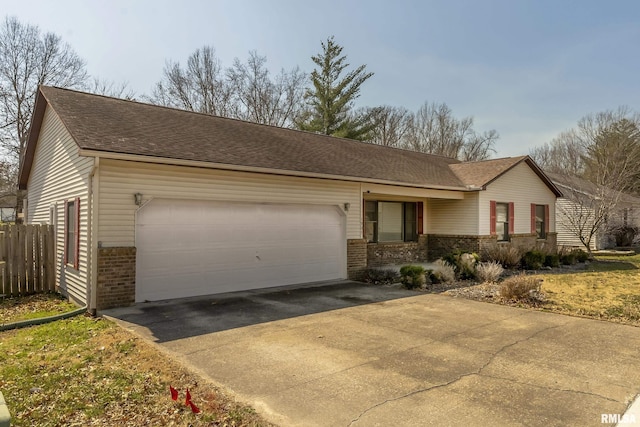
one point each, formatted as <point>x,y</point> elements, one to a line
<point>575,185</point>
<point>479,174</point>
<point>106,125</point>
<point>112,125</point>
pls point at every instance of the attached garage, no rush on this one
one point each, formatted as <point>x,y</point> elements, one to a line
<point>191,247</point>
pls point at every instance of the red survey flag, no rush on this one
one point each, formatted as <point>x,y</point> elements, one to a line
<point>174,393</point>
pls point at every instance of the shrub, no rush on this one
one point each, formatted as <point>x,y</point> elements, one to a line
<point>568,258</point>
<point>581,256</point>
<point>533,260</point>
<point>489,271</point>
<point>464,263</point>
<point>443,272</point>
<point>521,288</point>
<point>378,276</point>
<point>413,276</point>
<point>552,260</point>
<point>506,255</point>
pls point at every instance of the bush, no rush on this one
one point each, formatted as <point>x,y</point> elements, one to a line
<point>464,263</point>
<point>443,272</point>
<point>581,256</point>
<point>413,276</point>
<point>506,255</point>
<point>533,260</point>
<point>378,276</point>
<point>521,288</point>
<point>568,258</point>
<point>489,271</point>
<point>552,260</point>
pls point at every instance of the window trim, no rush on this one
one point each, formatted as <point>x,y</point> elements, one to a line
<point>76,230</point>
<point>545,222</point>
<point>493,218</point>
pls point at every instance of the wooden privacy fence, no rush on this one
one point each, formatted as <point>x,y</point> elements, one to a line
<point>27,259</point>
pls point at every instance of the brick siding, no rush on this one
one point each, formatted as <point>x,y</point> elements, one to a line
<point>116,277</point>
<point>381,254</point>
<point>440,245</point>
<point>356,258</point>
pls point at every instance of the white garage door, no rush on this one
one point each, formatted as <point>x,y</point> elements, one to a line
<point>188,248</point>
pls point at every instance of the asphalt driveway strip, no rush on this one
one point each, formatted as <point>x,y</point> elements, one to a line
<point>350,354</point>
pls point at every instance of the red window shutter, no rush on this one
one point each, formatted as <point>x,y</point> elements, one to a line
<point>492,217</point>
<point>533,218</point>
<point>546,219</point>
<point>511,218</point>
<point>420,219</point>
<point>64,230</point>
<point>77,232</point>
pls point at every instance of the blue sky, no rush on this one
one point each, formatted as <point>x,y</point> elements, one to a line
<point>529,69</point>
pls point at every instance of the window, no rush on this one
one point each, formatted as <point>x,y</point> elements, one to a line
<point>71,232</point>
<point>540,220</point>
<point>391,221</point>
<point>501,220</point>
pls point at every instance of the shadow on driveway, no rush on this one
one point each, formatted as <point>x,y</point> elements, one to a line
<point>182,318</point>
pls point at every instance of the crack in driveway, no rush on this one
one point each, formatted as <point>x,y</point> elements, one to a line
<point>460,377</point>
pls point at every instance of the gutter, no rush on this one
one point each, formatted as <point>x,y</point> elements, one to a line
<point>92,228</point>
<point>42,320</point>
<point>256,169</point>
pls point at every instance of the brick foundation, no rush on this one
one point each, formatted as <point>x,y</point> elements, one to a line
<point>440,245</point>
<point>116,277</point>
<point>356,258</point>
<point>381,254</point>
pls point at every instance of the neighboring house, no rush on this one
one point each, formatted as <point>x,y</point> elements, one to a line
<point>8,209</point>
<point>579,206</point>
<point>153,203</point>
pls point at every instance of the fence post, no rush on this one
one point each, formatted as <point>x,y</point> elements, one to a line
<point>13,260</point>
<point>22,283</point>
<point>30,285</point>
<point>37,248</point>
<point>4,289</point>
<point>51,260</point>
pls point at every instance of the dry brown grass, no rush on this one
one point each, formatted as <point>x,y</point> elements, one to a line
<point>88,372</point>
<point>608,289</point>
<point>32,306</point>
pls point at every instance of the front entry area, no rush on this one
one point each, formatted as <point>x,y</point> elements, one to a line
<point>192,247</point>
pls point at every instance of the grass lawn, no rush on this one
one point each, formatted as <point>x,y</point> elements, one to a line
<point>89,372</point>
<point>608,289</point>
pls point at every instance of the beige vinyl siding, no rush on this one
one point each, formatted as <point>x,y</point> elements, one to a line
<point>60,174</point>
<point>567,237</point>
<point>523,187</point>
<point>456,217</point>
<point>120,180</point>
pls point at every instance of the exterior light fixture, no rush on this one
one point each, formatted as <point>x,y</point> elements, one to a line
<point>347,206</point>
<point>138,198</point>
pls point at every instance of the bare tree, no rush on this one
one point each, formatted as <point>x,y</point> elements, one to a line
<point>389,125</point>
<point>597,163</point>
<point>479,146</point>
<point>201,86</point>
<point>433,129</point>
<point>261,99</point>
<point>563,155</point>
<point>29,59</point>
<point>586,209</point>
<point>109,88</point>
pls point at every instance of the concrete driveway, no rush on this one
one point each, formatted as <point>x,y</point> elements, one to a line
<point>349,354</point>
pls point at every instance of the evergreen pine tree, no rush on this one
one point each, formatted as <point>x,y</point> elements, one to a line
<point>330,100</point>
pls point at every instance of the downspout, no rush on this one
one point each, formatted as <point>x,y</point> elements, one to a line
<point>94,196</point>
